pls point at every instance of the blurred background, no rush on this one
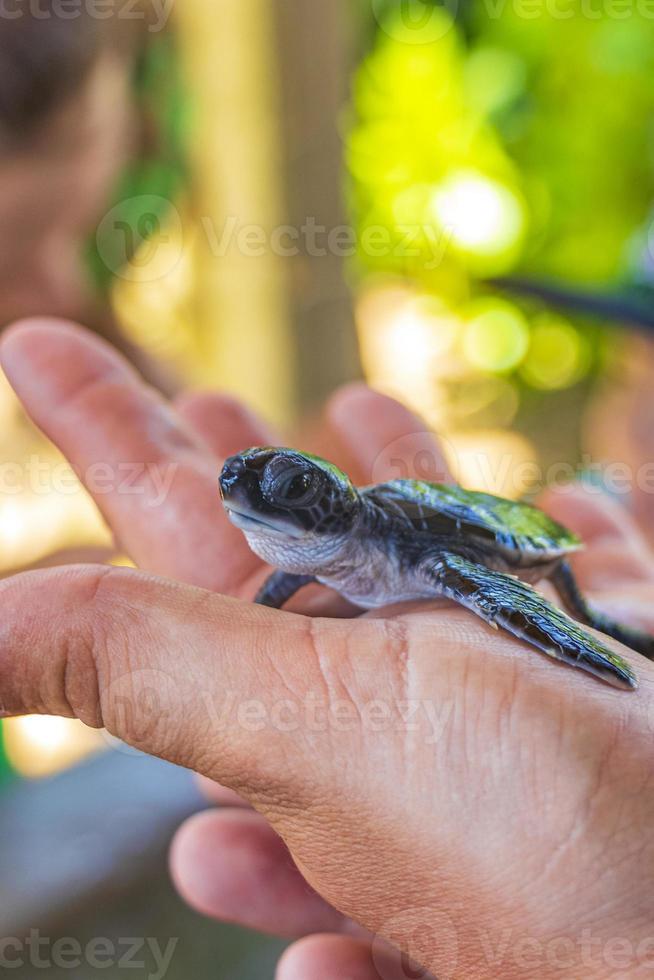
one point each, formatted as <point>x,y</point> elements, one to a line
<point>453,201</point>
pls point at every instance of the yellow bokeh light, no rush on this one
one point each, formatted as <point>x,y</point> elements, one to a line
<point>496,337</point>
<point>14,524</point>
<point>122,561</point>
<point>493,461</point>
<point>44,519</point>
<point>39,745</point>
<point>412,205</point>
<point>153,309</point>
<point>489,400</point>
<point>493,78</point>
<point>482,217</point>
<point>558,355</point>
<point>406,344</point>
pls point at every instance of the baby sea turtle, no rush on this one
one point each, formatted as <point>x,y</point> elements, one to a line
<point>412,540</point>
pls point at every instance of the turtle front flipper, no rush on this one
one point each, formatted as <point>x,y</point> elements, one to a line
<point>514,606</point>
<point>566,585</point>
<point>280,587</point>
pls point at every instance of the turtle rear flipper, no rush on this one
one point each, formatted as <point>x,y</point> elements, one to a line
<point>514,606</point>
<point>565,583</point>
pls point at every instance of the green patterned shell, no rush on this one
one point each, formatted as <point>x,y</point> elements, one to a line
<point>435,507</point>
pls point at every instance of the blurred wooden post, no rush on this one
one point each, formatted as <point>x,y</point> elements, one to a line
<point>269,82</point>
<point>242,303</point>
<point>315,53</point>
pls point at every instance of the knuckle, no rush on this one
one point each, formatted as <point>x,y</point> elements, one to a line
<point>72,684</point>
<point>86,651</point>
<point>94,676</point>
<point>131,693</point>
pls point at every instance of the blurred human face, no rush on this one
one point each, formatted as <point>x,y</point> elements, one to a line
<point>53,191</point>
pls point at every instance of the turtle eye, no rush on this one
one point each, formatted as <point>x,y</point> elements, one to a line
<point>298,486</point>
<point>290,484</point>
<point>294,489</point>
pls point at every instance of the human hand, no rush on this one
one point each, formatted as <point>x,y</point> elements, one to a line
<point>520,784</point>
<point>92,405</point>
<point>235,868</point>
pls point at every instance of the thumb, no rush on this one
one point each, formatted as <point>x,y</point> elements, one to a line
<point>203,681</point>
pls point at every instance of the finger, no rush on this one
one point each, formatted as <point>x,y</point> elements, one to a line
<point>205,412</point>
<point>149,474</point>
<point>174,671</point>
<point>334,957</point>
<point>225,425</point>
<point>381,440</point>
<point>615,550</point>
<point>629,603</point>
<point>592,514</point>
<point>231,866</point>
<point>327,957</point>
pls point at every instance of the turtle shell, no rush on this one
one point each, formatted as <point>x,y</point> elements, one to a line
<point>516,528</point>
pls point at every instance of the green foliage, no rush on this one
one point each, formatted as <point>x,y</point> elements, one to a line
<point>577,118</point>
<point>159,171</point>
<point>519,136</point>
<point>416,127</point>
<point>560,110</point>
<point>5,769</point>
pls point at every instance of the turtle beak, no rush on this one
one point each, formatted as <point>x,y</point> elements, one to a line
<point>235,489</point>
<point>241,496</point>
<point>233,472</point>
<point>239,486</point>
<point>249,522</point>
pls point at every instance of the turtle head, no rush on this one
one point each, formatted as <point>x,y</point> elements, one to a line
<point>296,510</point>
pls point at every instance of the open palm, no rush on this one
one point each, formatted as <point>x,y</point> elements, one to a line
<point>439,785</point>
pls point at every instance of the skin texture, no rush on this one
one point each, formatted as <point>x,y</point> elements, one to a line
<point>505,832</point>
